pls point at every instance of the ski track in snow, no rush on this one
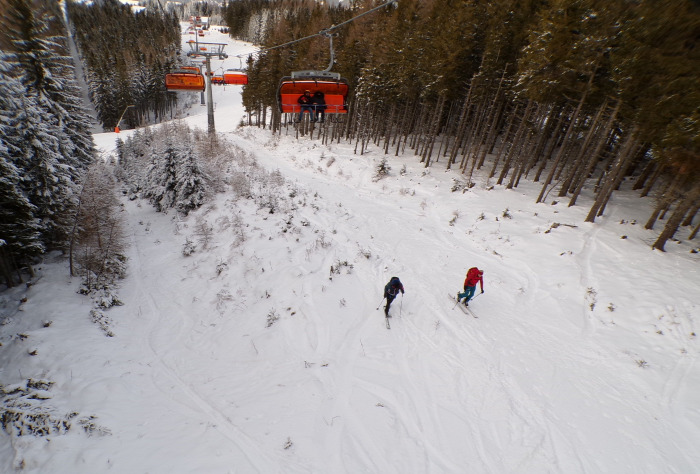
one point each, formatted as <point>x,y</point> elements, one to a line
<point>587,276</point>
<point>168,327</point>
<point>538,383</point>
<point>531,434</point>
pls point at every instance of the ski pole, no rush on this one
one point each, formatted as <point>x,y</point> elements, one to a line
<point>380,303</point>
<point>401,305</point>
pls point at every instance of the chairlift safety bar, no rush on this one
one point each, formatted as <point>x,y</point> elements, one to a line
<point>333,76</point>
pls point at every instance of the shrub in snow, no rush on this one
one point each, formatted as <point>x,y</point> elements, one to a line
<point>458,185</point>
<point>222,299</point>
<point>272,317</point>
<point>339,265</point>
<point>188,248</point>
<point>97,242</point>
<point>221,267</point>
<point>204,232</point>
<point>365,253</point>
<point>99,318</point>
<point>91,428</point>
<point>25,411</point>
<point>105,299</point>
<point>382,170</point>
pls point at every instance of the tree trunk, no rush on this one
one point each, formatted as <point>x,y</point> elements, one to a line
<point>389,129</point>
<point>461,127</point>
<point>569,132</point>
<point>664,201</point>
<point>553,141</point>
<point>493,132</point>
<point>517,143</point>
<point>691,215</point>
<point>505,143</point>
<point>625,157</point>
<point>579,160</point>
<point>433,132</point>
<point>674,221</point>
<point>593,157</point>
<point>652,181</point>
<point>5,267</point>
<point>545,124</point>
<point>694,232</point>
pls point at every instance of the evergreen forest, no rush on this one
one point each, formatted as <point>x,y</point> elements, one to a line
<point>126,56</point>
<point>567,93</point>
<point>46,143</point>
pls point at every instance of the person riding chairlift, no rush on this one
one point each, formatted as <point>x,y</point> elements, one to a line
<point>306,103</point>
<point>319,101</point>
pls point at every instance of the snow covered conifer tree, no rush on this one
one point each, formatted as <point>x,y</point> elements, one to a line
<point>174,175</point>
<point>48,74</point>
<point>19,228</point>
<point>191,183</point>
<point>161,176</point>
<point>56,145</point>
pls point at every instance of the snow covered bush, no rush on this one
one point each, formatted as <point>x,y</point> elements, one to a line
<point>382,170</point>
<point>25,410</point>
<point>102,320</point>
<point>97,241</point>
<point>166,167</point>
<point>188,248</point>
<point>204,232</point>
<point>272,317</point>
<point>339,265</point>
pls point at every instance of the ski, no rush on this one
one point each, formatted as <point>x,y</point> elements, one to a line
<point>388,326</point>
<point>462,307</point>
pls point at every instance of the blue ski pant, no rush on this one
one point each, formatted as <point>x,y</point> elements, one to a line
<point>468,293</point>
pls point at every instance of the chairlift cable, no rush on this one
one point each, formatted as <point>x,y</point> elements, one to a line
<point>326,32</point>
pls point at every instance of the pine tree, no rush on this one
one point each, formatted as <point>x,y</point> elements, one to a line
<point>192,182</point>
<point>19,228</point>
<point>161,176</point>
<point>47,156</point>
<point>121,50</point>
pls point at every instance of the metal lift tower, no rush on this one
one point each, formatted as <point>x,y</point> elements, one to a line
<point>208,51</point>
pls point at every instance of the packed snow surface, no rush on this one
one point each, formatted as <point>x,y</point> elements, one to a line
<point>266,350</point>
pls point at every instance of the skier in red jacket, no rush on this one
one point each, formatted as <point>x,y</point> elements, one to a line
<point>474,276</point>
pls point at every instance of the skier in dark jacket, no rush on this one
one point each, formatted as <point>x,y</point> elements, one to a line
<point>474,276</point>
<point>391,291</point>
<point>306,105</point>
<point>319,101</point>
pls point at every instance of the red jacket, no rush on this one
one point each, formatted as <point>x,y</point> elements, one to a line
<point>474,276</point>
<point>304,99</point>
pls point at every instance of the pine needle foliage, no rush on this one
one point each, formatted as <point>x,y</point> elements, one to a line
<point>582,93</point>
<point>127,55</point>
